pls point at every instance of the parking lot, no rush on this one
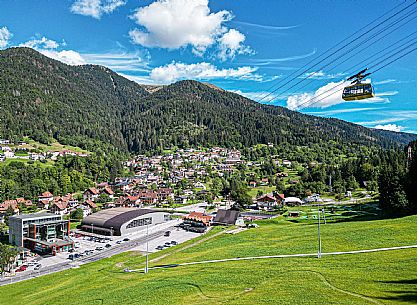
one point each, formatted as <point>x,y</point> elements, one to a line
<point>91,247</point>
<point>176,236</point>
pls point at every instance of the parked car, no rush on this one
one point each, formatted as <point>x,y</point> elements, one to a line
<point>37,267</point>
<point>167,233</point>
<point>99,248</point>
<point>118,242</point>
<point>126,239</point>
<point>173,242</point>
<point>71,256</point>
<point>160,248</point>
<point>107,245</point>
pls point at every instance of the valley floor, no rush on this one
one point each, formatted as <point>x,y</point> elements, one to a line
<point>388,277</point>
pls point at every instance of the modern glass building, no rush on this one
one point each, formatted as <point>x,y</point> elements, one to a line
<point>44,233</point>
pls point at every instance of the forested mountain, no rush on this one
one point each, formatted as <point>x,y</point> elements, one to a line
<point>88,106</point>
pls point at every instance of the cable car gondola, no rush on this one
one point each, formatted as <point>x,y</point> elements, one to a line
<point>358,90</point>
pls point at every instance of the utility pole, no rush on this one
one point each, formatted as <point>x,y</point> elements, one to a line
<point>147,247</point>
<point>319,236</point>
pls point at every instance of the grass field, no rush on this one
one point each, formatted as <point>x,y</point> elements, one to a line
<point>55,146</point>
<point>371,278</point>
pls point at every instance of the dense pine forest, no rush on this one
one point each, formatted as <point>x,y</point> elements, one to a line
<point>88,105</point>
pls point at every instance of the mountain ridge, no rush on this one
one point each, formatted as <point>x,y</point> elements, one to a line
<point>88,104</point>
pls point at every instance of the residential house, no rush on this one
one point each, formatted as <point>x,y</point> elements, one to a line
<point>148,197</point>
<point>7,204</point>
<point>128,201</point>
<point>164,193</point>
<point>269,201</point>
<point>88,207</point>
<point>91,194</point>
<point>25,202</point>
<point>85,208</point>
<point>59,206</point>
<point>108,191</point>
<point>197,219</point>
<point>180,199</point>
<point>45,199</point>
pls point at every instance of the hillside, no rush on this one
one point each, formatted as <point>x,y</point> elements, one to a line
<point>85,105</point>
<point>387,277</point>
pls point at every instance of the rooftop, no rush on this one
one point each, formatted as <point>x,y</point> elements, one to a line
<point>33,215</point>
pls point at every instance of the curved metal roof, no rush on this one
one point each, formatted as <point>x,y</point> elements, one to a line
<point>116,217</point>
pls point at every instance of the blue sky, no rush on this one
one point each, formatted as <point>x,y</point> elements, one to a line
<point>244,46</point>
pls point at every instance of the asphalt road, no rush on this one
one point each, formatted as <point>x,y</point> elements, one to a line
<point>125,246</point>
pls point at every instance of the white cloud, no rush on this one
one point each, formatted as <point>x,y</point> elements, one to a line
<point>117,61</point>
<point>254,95</point>
<point>68,57</point>
<point>392,117</point>
<point>267,27</point>
<point>143,80</point>
<point>174,24</point>
<point>339,111</point>
<point>321,75</point>
<point>329,95</point>
<point>177,71</point>
<point>268,61</point>
<point>120,61</point>
<point>43,43</point>
<point>96,8</point>
<point>390,127</point>
<point>231,43</point>
<point>5,36</point>
<point>386,81</point>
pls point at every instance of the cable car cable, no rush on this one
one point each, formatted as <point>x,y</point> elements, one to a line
<point>382,67</point>
<point>341,48</point>
<point>363,46</point>
<point>398,58</point>
<point>401,18</point>
<point>328,50</point>
<point>409,42</point>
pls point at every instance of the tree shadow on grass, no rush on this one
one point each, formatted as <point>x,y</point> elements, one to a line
<point>408,293</point>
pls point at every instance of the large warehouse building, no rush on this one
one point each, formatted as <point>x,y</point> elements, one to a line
<point>121,221</point>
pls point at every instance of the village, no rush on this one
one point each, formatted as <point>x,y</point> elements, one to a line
<point>173,180</point>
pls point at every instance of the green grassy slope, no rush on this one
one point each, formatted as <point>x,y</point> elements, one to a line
<point>380,278</point>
